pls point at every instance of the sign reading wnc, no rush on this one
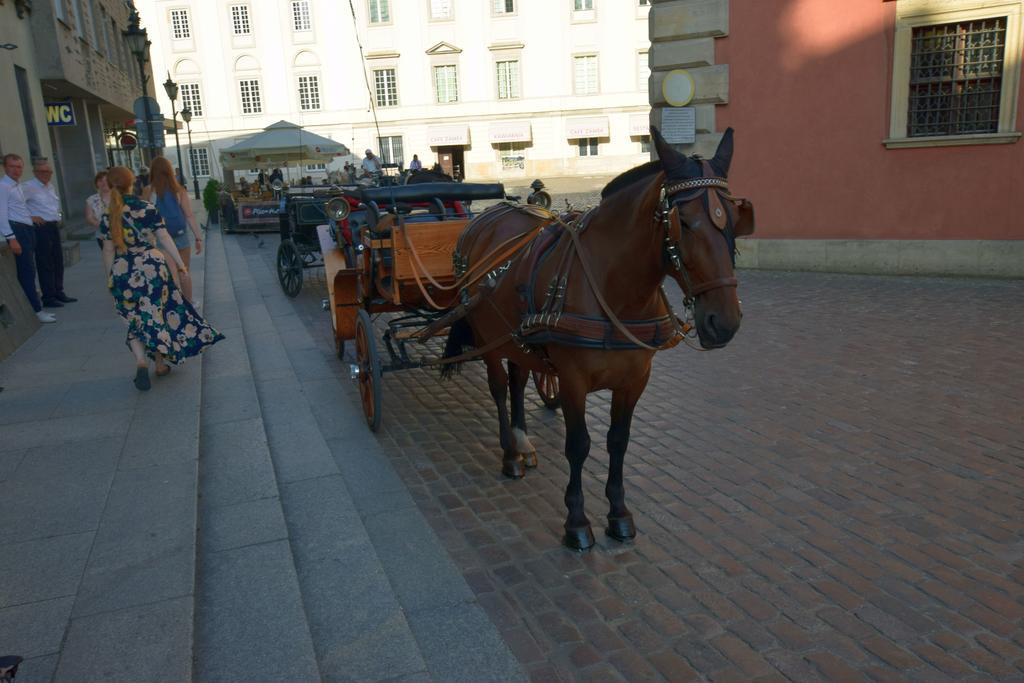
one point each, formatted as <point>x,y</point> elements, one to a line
<point>60,114</point>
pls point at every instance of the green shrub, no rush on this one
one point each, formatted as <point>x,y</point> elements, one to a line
<point>211,199</point>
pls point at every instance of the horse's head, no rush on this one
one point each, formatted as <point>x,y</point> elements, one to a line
<point>702,221</point>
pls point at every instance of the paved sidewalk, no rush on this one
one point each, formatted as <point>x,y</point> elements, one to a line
<point>97,521</point>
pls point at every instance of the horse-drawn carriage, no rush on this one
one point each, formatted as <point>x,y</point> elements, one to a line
<point>577,299</point>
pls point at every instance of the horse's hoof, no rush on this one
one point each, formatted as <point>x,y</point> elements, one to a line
<point>514,469</point>
<point>621,528</point>
<point>579,539</point>
<point>529,459</point>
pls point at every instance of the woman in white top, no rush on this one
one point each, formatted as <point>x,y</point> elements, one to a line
<point>96,205</point>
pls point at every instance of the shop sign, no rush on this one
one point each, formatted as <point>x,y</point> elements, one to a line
<point>60,113</point>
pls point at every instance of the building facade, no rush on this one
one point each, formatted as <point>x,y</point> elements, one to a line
<point>871,136</point>
<point>491,89</point>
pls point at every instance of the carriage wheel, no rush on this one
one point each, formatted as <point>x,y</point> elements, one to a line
<point>547,387</point>
<point>289,268</point>
<point>369,370</point>
<point>540,198</point>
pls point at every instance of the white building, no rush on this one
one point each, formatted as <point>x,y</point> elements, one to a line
<point>492,89</point>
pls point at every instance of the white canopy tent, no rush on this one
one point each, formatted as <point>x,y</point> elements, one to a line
<point>281,144</point>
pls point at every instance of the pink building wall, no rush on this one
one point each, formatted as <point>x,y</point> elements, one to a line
<point>809,99</point>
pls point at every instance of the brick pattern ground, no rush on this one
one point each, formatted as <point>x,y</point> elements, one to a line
<point>835,496</point>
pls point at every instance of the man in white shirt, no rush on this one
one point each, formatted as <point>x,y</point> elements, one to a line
<point>16,227</point>
<point>372,164</point>
<point>44,207</point>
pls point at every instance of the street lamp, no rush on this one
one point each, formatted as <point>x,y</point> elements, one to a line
<point>138,44</point>
<point>186,116</point>
<point>171,88</point>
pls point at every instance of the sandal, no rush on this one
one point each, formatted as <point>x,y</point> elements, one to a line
<point>163,371</point>
<point>142,379</point>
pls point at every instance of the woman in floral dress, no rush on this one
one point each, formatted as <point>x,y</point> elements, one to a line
<point>162,324</point>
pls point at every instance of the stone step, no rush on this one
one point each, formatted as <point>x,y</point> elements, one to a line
<point>384,599</point>
<point>250,620</point>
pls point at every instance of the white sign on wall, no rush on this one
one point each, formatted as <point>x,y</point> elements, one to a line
<point>679,125</point>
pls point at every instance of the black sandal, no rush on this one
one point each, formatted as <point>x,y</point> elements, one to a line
<point>142,379</point>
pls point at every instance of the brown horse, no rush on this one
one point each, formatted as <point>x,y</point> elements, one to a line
<point>585,301</point>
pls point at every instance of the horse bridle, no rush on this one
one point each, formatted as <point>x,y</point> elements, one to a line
<point>691,190</point>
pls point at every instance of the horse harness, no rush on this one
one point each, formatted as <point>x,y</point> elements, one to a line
<point>551,324</point>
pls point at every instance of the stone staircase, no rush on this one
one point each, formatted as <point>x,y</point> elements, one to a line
<point>313,561</point>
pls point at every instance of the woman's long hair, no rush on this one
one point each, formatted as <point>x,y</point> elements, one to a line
<point>161,177</point>
<point>121,180</point>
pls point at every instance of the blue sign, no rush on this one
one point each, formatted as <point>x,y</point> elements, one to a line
<point>60,114</point>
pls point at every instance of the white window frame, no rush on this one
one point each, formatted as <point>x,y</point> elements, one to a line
<point>313,168</point>
<point>201,157</point>
<point>449,15</point>
<point>499,8</point>
<point>588,89</point>
<point>181,29</point>
<point>582,5</point>
<point>378,12</point>
<point>255,95</point>
<point>302,16</point>
<point>191,96</point>
<point>390,96</point>
<point>241,20</point>
<point>643,69</point>
<point>313,92</point>
<point>911,14</point>
<point>513,82</point>
<point>454,82</point>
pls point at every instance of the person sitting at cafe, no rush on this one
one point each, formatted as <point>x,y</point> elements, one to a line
<point>243,185</point>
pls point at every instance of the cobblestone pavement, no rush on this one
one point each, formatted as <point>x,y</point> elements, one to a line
<point>835,496</point>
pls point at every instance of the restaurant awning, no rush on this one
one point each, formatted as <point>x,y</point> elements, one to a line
<point>509,131</point>
<point>587,127</point>
<point>454,134</point>
<point>639,124</point>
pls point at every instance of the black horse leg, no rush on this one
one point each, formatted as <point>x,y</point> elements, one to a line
<point>517,386</point>
<point>578,534</point>
<point>620,519</point>
<point>497,380</point>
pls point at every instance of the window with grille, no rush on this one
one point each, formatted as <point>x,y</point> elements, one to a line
<point>391,149</point>
<point>309,93</point>
<point>249,90</point>
<point>956,78</point>
<point>189,93</point>
<point>180,27</point>
<point>200,158</point>
<point>645,144</point>
<point>581,5</point>
<point>587,147</point>
<point>503,6</point>
<point>240,20</point>
<point>585,75</point>
<point>440,9</point>
<point>512,155</point>
<point>508,80</point>
<point>446,83</point>
<point>385,86</point>
<point>316,167</point>
<point>300,16</point>
<point>380,11</point>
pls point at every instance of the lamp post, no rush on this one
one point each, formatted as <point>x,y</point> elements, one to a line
<point>186,116</point>
<point>138,44</point>
<point>171,88</point>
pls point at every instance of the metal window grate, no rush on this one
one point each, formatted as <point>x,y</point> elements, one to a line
<point>956,78</point>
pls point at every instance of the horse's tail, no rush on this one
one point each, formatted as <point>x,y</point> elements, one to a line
<point>460,335</point>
